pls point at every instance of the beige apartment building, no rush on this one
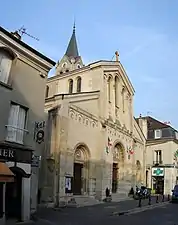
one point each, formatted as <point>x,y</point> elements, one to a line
<point>93,139</point>
<point>161,154</point>
<point>23,74</point>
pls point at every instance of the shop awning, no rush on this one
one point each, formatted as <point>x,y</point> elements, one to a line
<point>6,174</point>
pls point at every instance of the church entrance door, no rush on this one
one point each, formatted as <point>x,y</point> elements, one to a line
<point>77,186</point>
<point>114,177</point>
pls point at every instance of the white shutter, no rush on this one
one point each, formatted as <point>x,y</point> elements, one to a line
<point>12,122</point>
<point>21,125</point>
<point>5,66</point>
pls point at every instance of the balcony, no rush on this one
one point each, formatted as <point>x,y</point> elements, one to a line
<point>157,162</point>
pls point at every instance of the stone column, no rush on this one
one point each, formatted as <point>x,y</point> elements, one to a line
<point>101,164</point>
<point>131,114</point>
<point>92,178</point>
<point>113,99</point>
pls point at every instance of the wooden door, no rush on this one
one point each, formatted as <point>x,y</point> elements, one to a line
<point>114,177</point>
<point>77,186</point>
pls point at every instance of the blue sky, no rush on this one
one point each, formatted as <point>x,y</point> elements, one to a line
<point>145,33</point>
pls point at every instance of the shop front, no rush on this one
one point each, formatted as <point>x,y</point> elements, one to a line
<point>158,180</point>
<point>16,160</point>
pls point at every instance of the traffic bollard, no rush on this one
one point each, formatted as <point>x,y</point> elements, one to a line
<point>163,198</point>
<point>157,199</point>
<point>168,197</point>
<point>140,202</point>
<point>149,200</point>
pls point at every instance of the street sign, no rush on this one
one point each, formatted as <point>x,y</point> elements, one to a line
<point>36,161</point>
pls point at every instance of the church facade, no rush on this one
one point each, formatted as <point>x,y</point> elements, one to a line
<point>93,139</point>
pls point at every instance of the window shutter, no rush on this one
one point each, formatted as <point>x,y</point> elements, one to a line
<point>13,120</point>
<point>5,66</point>
<point>21,125</point>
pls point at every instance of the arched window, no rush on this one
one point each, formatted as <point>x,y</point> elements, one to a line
<point>70,86</point>
<point>78,66</point>
<point>47,91</point>
<point>117,91</point>
<point>6,58</point>
<point>79,83</point>
<point>64,65</point>
<point>109,89</point>
<point>123,99</point>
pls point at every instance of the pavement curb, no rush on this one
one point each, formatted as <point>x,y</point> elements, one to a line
<point>137,210</point>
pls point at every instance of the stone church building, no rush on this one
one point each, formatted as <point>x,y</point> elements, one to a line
<point>93,140</point>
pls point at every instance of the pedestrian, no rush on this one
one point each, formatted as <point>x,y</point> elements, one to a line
<point>107,192</point>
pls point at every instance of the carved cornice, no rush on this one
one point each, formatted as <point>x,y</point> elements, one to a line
<point>83,117</point>
<point>114,129</point>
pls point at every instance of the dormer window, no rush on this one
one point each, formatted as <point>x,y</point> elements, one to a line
<point>158,134</point>
<point>6,58</point>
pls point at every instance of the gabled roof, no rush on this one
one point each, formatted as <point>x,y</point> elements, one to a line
<point>72,49</point>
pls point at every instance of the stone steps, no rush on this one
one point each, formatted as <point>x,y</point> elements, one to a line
<point>85,200</point>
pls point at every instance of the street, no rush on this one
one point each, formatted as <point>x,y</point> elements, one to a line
<point>103,214</point>
<point>165,215</point>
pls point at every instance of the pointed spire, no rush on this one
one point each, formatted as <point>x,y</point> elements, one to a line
<point>72,49</point>
<point>74,26</point>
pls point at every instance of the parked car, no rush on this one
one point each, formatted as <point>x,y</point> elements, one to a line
<point>175,194</point>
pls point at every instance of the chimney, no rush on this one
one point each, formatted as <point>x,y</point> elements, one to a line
<point>16,34</point>
<point>143,125</point>
<point>117,56</point>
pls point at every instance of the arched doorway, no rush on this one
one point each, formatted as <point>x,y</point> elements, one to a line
<point>118,166</point>
<point>138,172</point>
<point>81,166</point>
<point>14,194</point>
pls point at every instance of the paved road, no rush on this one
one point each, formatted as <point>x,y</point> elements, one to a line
<point>166,215</point>
<point>97,214</point>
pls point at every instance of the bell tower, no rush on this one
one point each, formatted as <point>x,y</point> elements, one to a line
<point>71,59</point>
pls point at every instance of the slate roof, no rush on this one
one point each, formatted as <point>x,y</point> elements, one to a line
<point>72,49</point>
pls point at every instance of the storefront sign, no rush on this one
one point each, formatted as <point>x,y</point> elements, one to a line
<point>39,132</point>
<point>7,153</point>
<point>157,171</point>
<point>36,161</point>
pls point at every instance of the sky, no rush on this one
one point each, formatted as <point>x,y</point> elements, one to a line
<point>145,33</point>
